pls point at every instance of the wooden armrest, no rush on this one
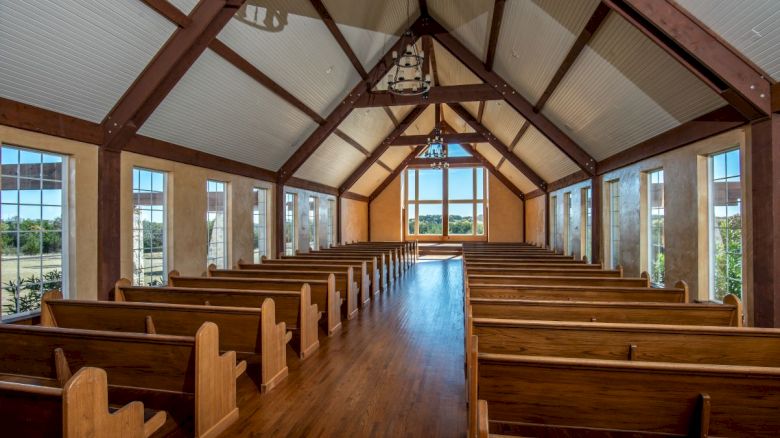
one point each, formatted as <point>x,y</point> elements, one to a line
<point>287,337</point>
<point>240,368</point>
<point>154,423</point>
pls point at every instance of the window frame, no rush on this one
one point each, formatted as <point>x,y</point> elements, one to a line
<point>226,218</point>
<point>650,227</point>
<point>262,250</point>
<point>567,224</point>
<point>164,276</point>
<point>711,221</point>
<point>292,198</point>
<point>553,219</point>
<point>313,223</point>
<point>586,223</point>
<point>613,218</point>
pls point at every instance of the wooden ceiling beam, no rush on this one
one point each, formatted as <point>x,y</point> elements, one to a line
<point>593,24</point>
<point>516,140</point>
<point>431,55</point>
<point>169,11</point>
<point>423,8</point>
<point>499,146</point>
<point>32,118</point>
<point>352,142</point>
<point>334,119</point>
<point>390,115</point>
<point>481,111</point>
<point>515,99</point>
<point>451,161</point>
<point>330,23</point>
<point>400,168</point>
<point>384,166</point>
<point>776,98</point>
<point>495,31</point>
<point>164,71</point>
<point>414,140</point>
<point>494,170</point>
<point>371,159</point>
<point>697,48</point>
<point>312,186</point>
<point>440,94</point>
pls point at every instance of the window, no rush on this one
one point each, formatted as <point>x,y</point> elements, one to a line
<point>34,220</point>
<point>290,200</point>
<point>655,226</point>
<point>725,225</point>
<point>331,222</point>
<point>613,194</point>
<point>149,227</point>
<point>260,223</point>
<point>587,223</point>
<point>553,219</point>
<point>216,221</point>
<point>567,223</point>
<point>464,200</point>
<point>314,243</point>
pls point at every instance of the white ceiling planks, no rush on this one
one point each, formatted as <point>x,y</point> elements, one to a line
<point>186,6</point>
<point>216,108</point>
<point>367,126</point>
<point>489,152</point>
<point>534,40</point>
<point>543,156</point>
<point>424,123</point>
<point>332,163</point>
<point>288,42</point>
<point>467,20</point>
<point>401,111</point>
<point>371,27</point>
<point>450,70</point>
<point>751,26</point>
<point>393,156</point>
<point>624,89</point>
<point>370,180</point>
<point>76,57</point>
<point>517,178</point>
<point>502,120</point>
<point>454,120</point>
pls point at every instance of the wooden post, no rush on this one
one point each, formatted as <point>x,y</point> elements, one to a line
<point>595,220</point>
<point>765,209</point>
<point>108,221</point>
<point>279,219</point>
<point>338,220</point>
<point>547,220</point>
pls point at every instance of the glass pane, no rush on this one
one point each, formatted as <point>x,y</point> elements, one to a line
<point>456,150</point>
<point>431,184</point>
<point>461,184</point>
<point>461,219</point>
<point>412,178</point>
<point>480,183</point>
<point>480,219</point>
<point>410,215</point>
<point>430,219</point>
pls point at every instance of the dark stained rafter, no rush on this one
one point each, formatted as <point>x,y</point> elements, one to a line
<point>431,55</point>
<point>495,31</point>
<point>390,115</point>
<point>776,98</point>
<point>481,111</point>
<point>451,161</point>
<point>598,17</point>
<point>384,166</point>
<point>164,71</point>
<point>334,119</point>
<point>424,8</point>
<point>169,11</point>
<point>518,102</point>
<point>312,186</point>
<point>371,159</point>
<point>342,135</point>
<point>515,141</point>
<point>354,196</point>
<point>494,170</point>
<point>24,116</point>
<point>414,140</point>
<point>439,94</point>
<point>499,146</point>
<point>334,29</point>
<point>400,168</point>
<point>718,65</point>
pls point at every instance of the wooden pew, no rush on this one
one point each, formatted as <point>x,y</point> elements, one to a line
<point>323,292</point>
<point>77,409</point>
<point>387,259</point>
<point>375,264</point>
<point>541,280</point>
<point>345,283</point>
<point>549,272</point>
<point>677,294</point>
<point>406,248</point>
<point>251,332</point>
<point>183,375</point>
<point>727,314</point>
<point>294,308</point>
<point>552,396</point>
<point>640,342</point>
<point>522,264</point>
<point>358,269</point>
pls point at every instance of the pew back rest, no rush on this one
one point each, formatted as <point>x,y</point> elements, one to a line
<point>557,281</point>
<point>677,294</point>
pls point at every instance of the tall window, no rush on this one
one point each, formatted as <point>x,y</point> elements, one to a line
<point>567,223</point>
<point>34,218</point>
<point>216,221</point>
<point>464,199</point>
<point>613,194</point>
<point>586,221</point>
<point>290,199</point>
<point>553,219</point>
<point>655,226</point>
<point>313,216</point>
<point>260,223</point>
<point>149,233</point>
<point>725,225</point>
<point>331,222</point>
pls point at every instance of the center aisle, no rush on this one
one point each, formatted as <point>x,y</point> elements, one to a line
<point>395,370</point>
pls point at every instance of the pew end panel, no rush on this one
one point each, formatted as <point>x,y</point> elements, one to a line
<point>215,384</point>
<point>483,422</point>
<point>274,347</point>
<point>308,319</point>
<point>737,317</point>
<point>334,301</point>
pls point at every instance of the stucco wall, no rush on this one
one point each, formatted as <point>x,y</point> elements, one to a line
<point>82,204</point>
<point>505,213</point>
<point>534,220</point>
<point>354,220</point>
<point>386,214</point>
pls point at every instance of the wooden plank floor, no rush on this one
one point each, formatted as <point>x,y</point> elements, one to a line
<point>396,370</point>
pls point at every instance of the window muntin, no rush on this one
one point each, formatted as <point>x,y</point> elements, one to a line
<point>464,201</point>
<point>725,225</point>
<point>290,199</point>
<point>553,220</point>
<point>567,224</point>
<point>314,243</point>
<point>149,227</point>
<point>655,227</point>
<point>587,223</point>
<point>613,192</point>
<point>216,221</point>
<point>259,223</point>
<point>331,223</point>
<point>32,228</point>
